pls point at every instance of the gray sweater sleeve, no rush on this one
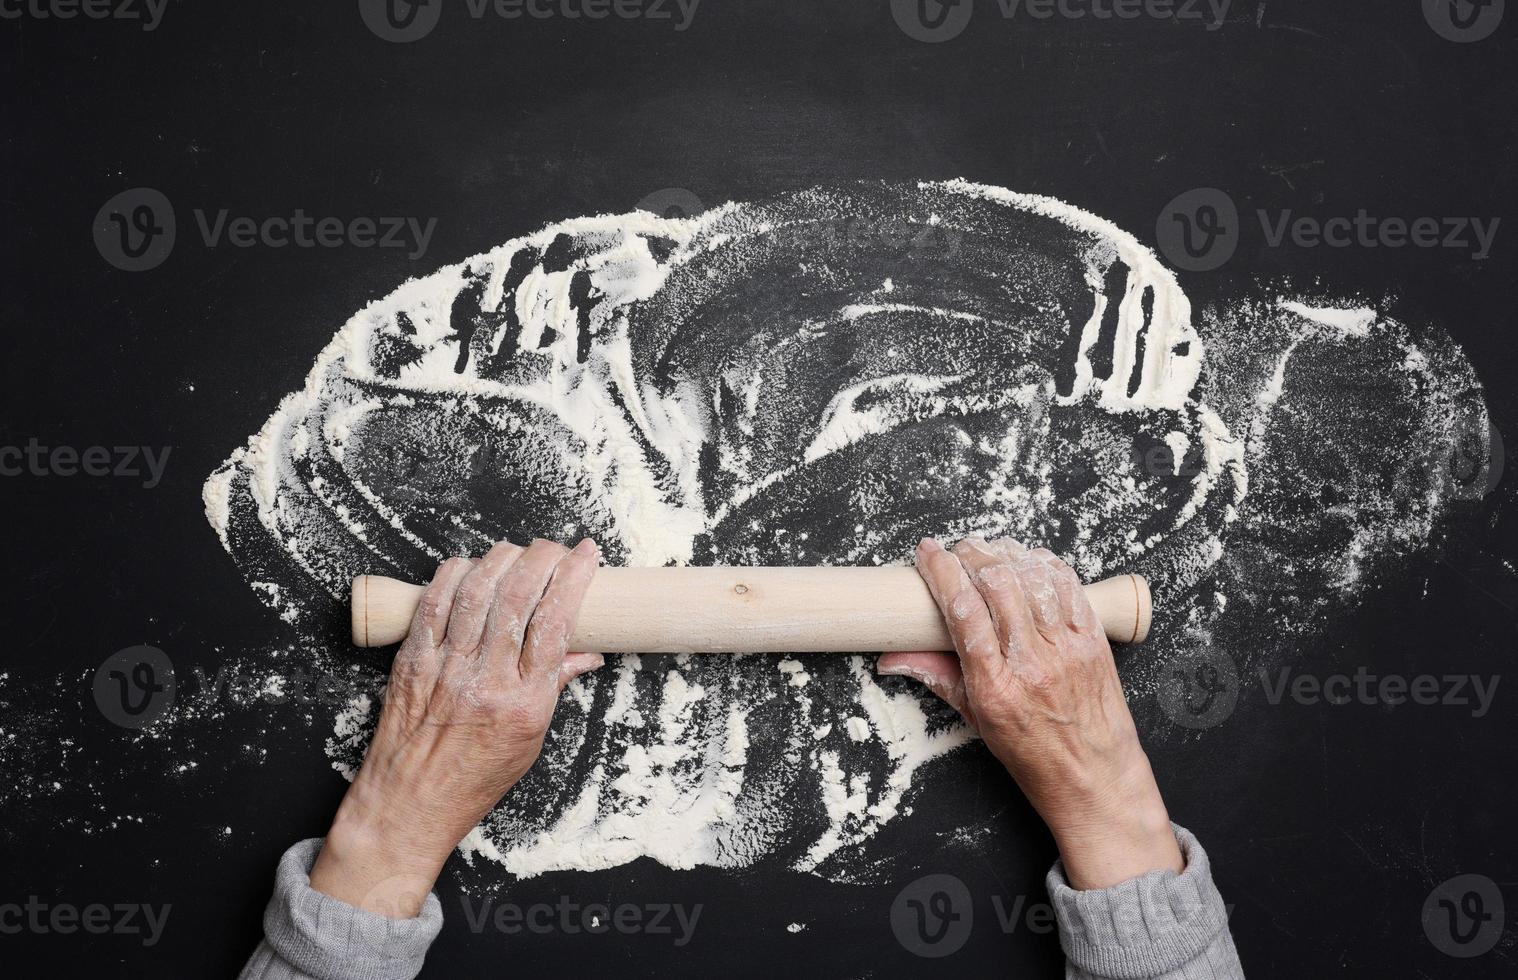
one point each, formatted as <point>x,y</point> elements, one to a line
<point>1159,925</point>
<point>311,936</point>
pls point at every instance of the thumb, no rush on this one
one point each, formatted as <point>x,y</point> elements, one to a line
<point>576,664</point>
<point>939,672</point>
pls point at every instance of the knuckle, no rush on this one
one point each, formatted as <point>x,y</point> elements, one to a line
<point>430,609</point>
<point>405,677</point>
<point>1096,653</point>
<point>980,647</point>
<point>963,606</point>
<point>1033,570</point>
<point>1040,680</point>
<point>497,707</point>
<point>473,597</point>
<point>518,594</point>
<point>413,652</point>
<point>507,709</point>
<point>997,579</point>
<point>1037,582</point>
<point>1048,619</point>
<point>502,556</point>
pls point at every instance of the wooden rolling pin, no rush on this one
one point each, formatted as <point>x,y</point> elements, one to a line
<point>751,610</point>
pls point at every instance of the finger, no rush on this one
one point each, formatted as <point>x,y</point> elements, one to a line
<point>964,611</point>
<point>416,663</point>
<point>994,576</point>
<point>517,595</point>
<point>430,622</point>
<point>1074,607</point>
<point>1038,585</point>
<point>472,602</point>
<point>516,601</point>
<point>553,622</point>
<point>938,672</point>
<point>577,665</point>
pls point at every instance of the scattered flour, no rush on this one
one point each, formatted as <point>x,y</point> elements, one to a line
<point>731,389</point>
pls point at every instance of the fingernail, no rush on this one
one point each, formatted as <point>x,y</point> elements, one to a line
<point>586,547</point>
<point>895,670</point>
<point>600,662</point>
<point>929,545</point>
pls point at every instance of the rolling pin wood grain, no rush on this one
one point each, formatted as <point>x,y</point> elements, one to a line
<point>751,610</point>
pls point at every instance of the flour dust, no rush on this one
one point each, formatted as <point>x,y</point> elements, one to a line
<point>823,379</point>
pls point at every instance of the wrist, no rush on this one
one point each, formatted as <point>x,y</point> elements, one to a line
<point>1116,832</point>
<point>368,864</point>
<point>1142,827</point>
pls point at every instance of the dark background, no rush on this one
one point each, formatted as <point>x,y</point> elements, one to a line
<point>1328,826</point>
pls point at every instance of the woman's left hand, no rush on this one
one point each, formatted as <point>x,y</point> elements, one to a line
<point>471,693</point>
<point>1033,673</point>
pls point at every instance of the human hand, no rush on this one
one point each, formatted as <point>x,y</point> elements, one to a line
<point>471,693</point>
<point>1034,675</point>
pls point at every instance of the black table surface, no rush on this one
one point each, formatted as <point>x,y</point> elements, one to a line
<point>1329,826</point>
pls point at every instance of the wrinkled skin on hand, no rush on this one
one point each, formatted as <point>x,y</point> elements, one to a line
<point>472,691</point>
<point>1033,673</point>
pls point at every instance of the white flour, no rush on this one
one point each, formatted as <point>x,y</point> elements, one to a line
<point>736,388</point>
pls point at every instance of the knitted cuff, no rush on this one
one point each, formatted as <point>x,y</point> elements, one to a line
<point>1148,926</point>
<point>328,939</point>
